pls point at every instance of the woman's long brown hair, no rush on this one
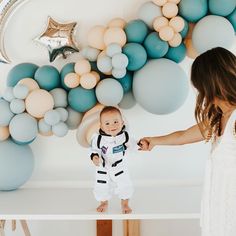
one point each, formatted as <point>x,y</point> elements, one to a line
<point>213,74</point>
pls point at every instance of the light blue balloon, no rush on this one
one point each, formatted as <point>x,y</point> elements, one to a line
<point>136,54</point>
<point>8,94</point>
<point>47,77</point>
<point>184,31</point>
<point>128,101</point>
<point>177,54</point>
<point>126,82</point>
<point>136,31</point>
<point>193,10</point>
<point>113,49</point>
<point>155,47</point>
<point>120,61</point>
<point>161,86</point>
<point>221,7</point>
<point>20,91</point>
<point>5,113</point>
<point>59,97</point>
<point>63,113</point>
<point>212,31</point>
<point>90,53</point>
<point>52,117</point>
<point>74,118</point>
<point>23,128</point>
<point>66,69</point>
<point>118,73</point>
<point>148,12</point>
<point>44,127</point>
<point>232,19</point>
<point>17,106</point>
<point>16,165</point>
<point>20,71</point>
<point>60,129</point>
<point>104,64</point>
<point>81,99</point>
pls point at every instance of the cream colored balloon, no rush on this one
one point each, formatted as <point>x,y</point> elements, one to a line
<point>159,2</point>
<point>92,129</point>
<point>4,133</point>
<point>31,84</point>
<point>72,80</point>
<point>96,75</point>
<point>176,40</point>
<point>117,22</point>
<point>177,23</point>
<point>88,81</point>
<point>191,51</point>
<point>166,33</point>
<point>160,22</point>
<point>95,37</point>
<point>38,102</point>
<point>82,66</point>
<point>97,108</point>
<point>115,35</point>
<point>170,10</point>
<point>47,134</point>
<point>174,1</point>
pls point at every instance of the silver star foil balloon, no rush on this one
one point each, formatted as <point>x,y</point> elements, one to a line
<point>58,39</point>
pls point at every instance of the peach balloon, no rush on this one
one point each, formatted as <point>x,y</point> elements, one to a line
<point>31,84</point>
<point>160,22</point>
<point>117,22</point>
<point>166,33</point>
<point>159,3</point>
<point>88,81</point>
<point>170,10</point>
<point>95,37</point>
<point>177,23</point>
<point>96,75</point>
<point>174,1</point>
<point>92,129</point>
<point>38,102</point>
<point>71,80</point>
<point>82,66</point>
<point>176,40</point>
<point>97,108</point>
<point>190,30</point>
<point>4,133</point>
<point>115,35</point>
<point>191,51</point>
<point>47,134</point>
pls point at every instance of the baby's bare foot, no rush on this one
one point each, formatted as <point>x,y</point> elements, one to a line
<point>125,207</point>
<point>102,207</point>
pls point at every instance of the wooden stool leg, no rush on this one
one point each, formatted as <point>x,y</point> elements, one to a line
<point>104,227</point>
<point>25,227</point>
<point>13,225</point>
<point>131,227</point>
<point>2,224</point>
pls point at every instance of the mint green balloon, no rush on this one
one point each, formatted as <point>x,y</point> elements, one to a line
<point>232,19</point>
<point>221,7</point>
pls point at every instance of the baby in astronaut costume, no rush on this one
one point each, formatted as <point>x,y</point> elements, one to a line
<point>109,154</point>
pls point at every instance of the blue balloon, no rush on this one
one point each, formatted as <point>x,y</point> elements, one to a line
<point>21,71</point>
<point>221,7</point>
<point>156,48</point>
<point>16,165</point>
<point>193,10</point>
<point>136,54</point>
<point>136,31</point>
<point>6,114</point>
<point>177,54</point>
<point>66,69</point>
<point>126,82</point>
<point>48,77</point>
<point>81,99</point>
<point>184,31</point>
<point>232,19</point>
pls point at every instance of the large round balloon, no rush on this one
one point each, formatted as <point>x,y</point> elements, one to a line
<point>222,7</point>
<point>161,86</point>
<point>21,71</point>
<point>16,165</point>
<point>212,31</point>
<point>177,54</point>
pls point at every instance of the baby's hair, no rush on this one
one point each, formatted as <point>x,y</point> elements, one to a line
<point>109,109</point>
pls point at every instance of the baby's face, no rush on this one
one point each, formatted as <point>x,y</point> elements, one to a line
<point>111,123</point>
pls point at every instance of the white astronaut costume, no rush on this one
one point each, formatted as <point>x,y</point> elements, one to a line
<point>112,174</point>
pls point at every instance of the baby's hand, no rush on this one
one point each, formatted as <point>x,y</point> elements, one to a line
<point>96,160</point>
<point>143,144</point>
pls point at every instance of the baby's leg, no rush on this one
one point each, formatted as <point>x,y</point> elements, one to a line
<point>125,206</point>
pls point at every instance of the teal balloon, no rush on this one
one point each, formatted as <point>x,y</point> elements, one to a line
<point>184,31</point>
<point>16,165</point>
<point>126,82</point>
<point>136,54</point>
<point>193,10</point>
<point>155,47</point>
<point>221,7</point>
<point>81,99</point>
<point>232,19</point>
<point>161,86</point>
<point>136,31</point>
<point>66,69</point>
<point>177,54</point>
<point>21,71</point>
<point>48,77</point>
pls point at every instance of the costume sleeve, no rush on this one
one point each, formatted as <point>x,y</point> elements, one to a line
<point>132,144</point>
<point>94,149</point>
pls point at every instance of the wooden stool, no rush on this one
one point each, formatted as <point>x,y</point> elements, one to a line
<point>23,225</point>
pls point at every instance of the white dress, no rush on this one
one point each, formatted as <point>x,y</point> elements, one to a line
<point>218,215</point>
